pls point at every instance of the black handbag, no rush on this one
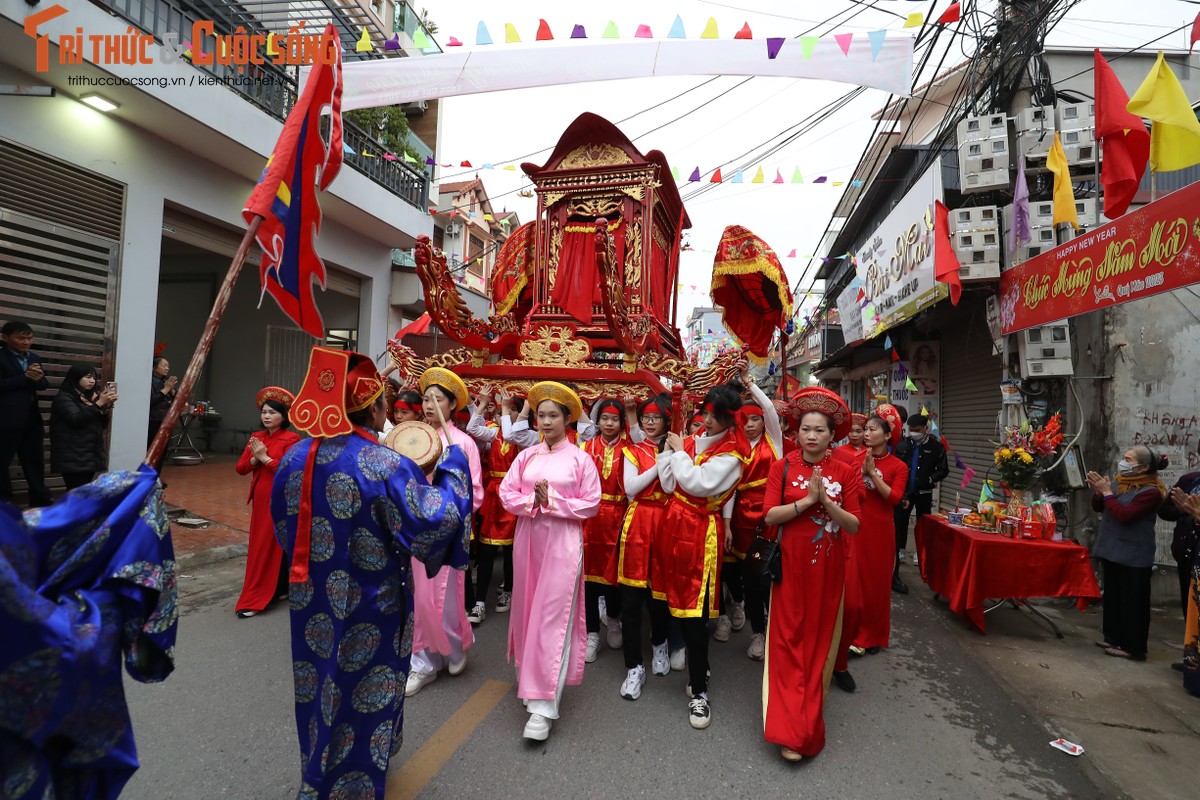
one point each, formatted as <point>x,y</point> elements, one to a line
<point>764,558</point>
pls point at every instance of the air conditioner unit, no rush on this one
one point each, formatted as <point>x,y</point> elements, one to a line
<point>453,228</point>
<point>1045,351</point>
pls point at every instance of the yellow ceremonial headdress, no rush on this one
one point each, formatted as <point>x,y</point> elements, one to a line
<point>338,383</point>
<point>440,376</point>
<point>563,395</point>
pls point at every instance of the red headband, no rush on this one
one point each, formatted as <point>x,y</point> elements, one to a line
<point>750,410</point>
<point>652,408</point>
<point>710,408</point>
<point>609,406</point>
<point>404,405</point>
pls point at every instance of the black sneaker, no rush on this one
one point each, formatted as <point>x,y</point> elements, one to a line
<point>845,681</point>
<point>898,586</point>
<point>698,713</point>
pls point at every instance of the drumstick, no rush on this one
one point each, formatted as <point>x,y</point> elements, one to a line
<point>441,417</point>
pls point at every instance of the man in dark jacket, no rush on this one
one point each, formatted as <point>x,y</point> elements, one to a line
<point>21,428</point>
<point>1183,542</point>
<point>926,459</point>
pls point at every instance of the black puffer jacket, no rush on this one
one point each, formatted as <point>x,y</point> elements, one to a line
<point>76,435</point>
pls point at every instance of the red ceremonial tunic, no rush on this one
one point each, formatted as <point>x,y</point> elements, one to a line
<point>805,621</point>
<point>850,453</point>
<point>875,550</point>
<point>748,505</point>
<point>643,518</point>
<point>499,526</point>
<point>264,559</point>
<point>602,533</point>
<point>686,551</point>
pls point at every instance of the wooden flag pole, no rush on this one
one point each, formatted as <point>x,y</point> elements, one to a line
<point>196,366</point>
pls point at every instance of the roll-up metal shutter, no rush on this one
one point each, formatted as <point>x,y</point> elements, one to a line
<point>970,401</point>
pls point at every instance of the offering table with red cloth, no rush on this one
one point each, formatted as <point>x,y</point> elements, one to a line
<point>969,566</point>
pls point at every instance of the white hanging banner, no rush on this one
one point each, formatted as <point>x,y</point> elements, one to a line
<point>496,68</point>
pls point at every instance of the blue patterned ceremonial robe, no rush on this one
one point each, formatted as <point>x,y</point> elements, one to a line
<point>352,618</point>
<point>82,582</point>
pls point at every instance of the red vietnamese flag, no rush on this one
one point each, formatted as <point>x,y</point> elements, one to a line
<point>1125,140</point>
<point>945,262</point>
<point>419,325</point>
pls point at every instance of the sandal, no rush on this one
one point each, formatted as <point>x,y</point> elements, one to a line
<point>1103,645</point>
<point>789,754</point>
<point>1117,652</point>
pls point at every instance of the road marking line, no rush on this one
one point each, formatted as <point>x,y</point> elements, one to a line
<point>408,781</point>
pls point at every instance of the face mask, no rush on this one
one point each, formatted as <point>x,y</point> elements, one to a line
<point>1126,467</point>
<point>920,438</point>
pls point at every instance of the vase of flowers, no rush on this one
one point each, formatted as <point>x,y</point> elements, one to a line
<point>1021,456</point>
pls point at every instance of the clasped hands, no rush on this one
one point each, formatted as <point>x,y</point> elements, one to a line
<point>1099,483</point>
<point>541,493</point>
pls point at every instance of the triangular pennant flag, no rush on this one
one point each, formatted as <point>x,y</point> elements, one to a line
<point>716,176</point>
<point>710,29</point>
<point>695,176</point>
<point>792,254</point>
<point>489,166</point>
<point>453,42</point>
<point>876,38</point>
<point>510,33</point>
<point>643,32</point>
<point>915,20</point>
<point>543,32</point>
<point>887,342</point>
<point>737,177</point>
<point>465,164</point>
<point>675,173</point>
<point>821,179</point>
<point>368,155</point>
<point>908,384</point>
<point>511,167</point>
<point>347,148</point>
<point>610,31</point>
<point>958,462</point>
<point>808,44</point>
<point>856,182</point>
<point>453,213</point>
<point>838,183</point>
<point>676,31</point>
<point>744,33</point>
<point>578,32</point>
<point>951,15</point>
<point>843,40</point>
<point>481,34</point>
<point>489,218</point>
<point>758,176</point>
<point>895,355</point>
<point>420,40</point>
<point>392,43</point>
<point>363,44</point>
<point>410,159</point>
<point>429,162</point>
<point>774,45</point>
<point>968,476</point>
<point>388,157</point>
<point>796,176</point>
<point>778,177</point>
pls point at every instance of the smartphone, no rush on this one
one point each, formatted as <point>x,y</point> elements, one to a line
<point>111,386</point>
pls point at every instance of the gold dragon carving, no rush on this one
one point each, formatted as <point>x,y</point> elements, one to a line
<point>595,155</point>
<point>555,346</point>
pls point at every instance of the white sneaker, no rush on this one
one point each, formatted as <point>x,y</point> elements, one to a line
<point>503,602</point>
<point>537,728</point>
<point>899,556</point>
<point>477,614</point>
<point>593,647</point>
<point>699,714</point>
<point>758,647</point>
<point>737,615</point>
<point>615,636</point>
<point>678,659</point>
<point>417,681</point>
<point>631,689</point>
<point>724,625</point>
<point>603,604</point>
<point>914,558</point>
<point>660,662</point>
<point>456,667</point>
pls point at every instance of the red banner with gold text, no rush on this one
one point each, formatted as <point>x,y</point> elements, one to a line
<point>1154,249</point>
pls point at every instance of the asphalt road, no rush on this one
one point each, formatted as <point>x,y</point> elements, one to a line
<point>926,722</point>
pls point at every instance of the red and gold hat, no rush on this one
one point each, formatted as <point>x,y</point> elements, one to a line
<point>563,395</point>
<point>337,384</point>
<point>888,413</point>
<point>440,376</point>
<point>818,398</point>
<point>276,393</point>
<point>858,419</point>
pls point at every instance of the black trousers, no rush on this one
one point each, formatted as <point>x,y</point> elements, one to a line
<point>695,637</point>
<point>485,565</point>
<point>1184,570</point>
<point>1126,607</point>
<point>922,505</point>
<point>633,600</point>
<point>74,480</point>
<point>592,592</point>
<point>27,445</point>
<point>743,588</point>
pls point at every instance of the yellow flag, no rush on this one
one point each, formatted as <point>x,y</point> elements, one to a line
<point>1064,192</point>
<point>915,20</point>
<point>364,42</point>
<point>1175,133</point>
<point>510,33</point>
<point>758,176</point>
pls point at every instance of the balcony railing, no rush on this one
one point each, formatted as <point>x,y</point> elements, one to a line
<point>269,86</point>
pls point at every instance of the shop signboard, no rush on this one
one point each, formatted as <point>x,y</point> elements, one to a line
<point>1154,249</point>
<point>895,266</point>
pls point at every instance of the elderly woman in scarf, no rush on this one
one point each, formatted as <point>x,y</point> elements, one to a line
<point>1125,546</point>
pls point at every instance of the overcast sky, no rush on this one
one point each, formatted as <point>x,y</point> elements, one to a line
<point>524,125</point>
